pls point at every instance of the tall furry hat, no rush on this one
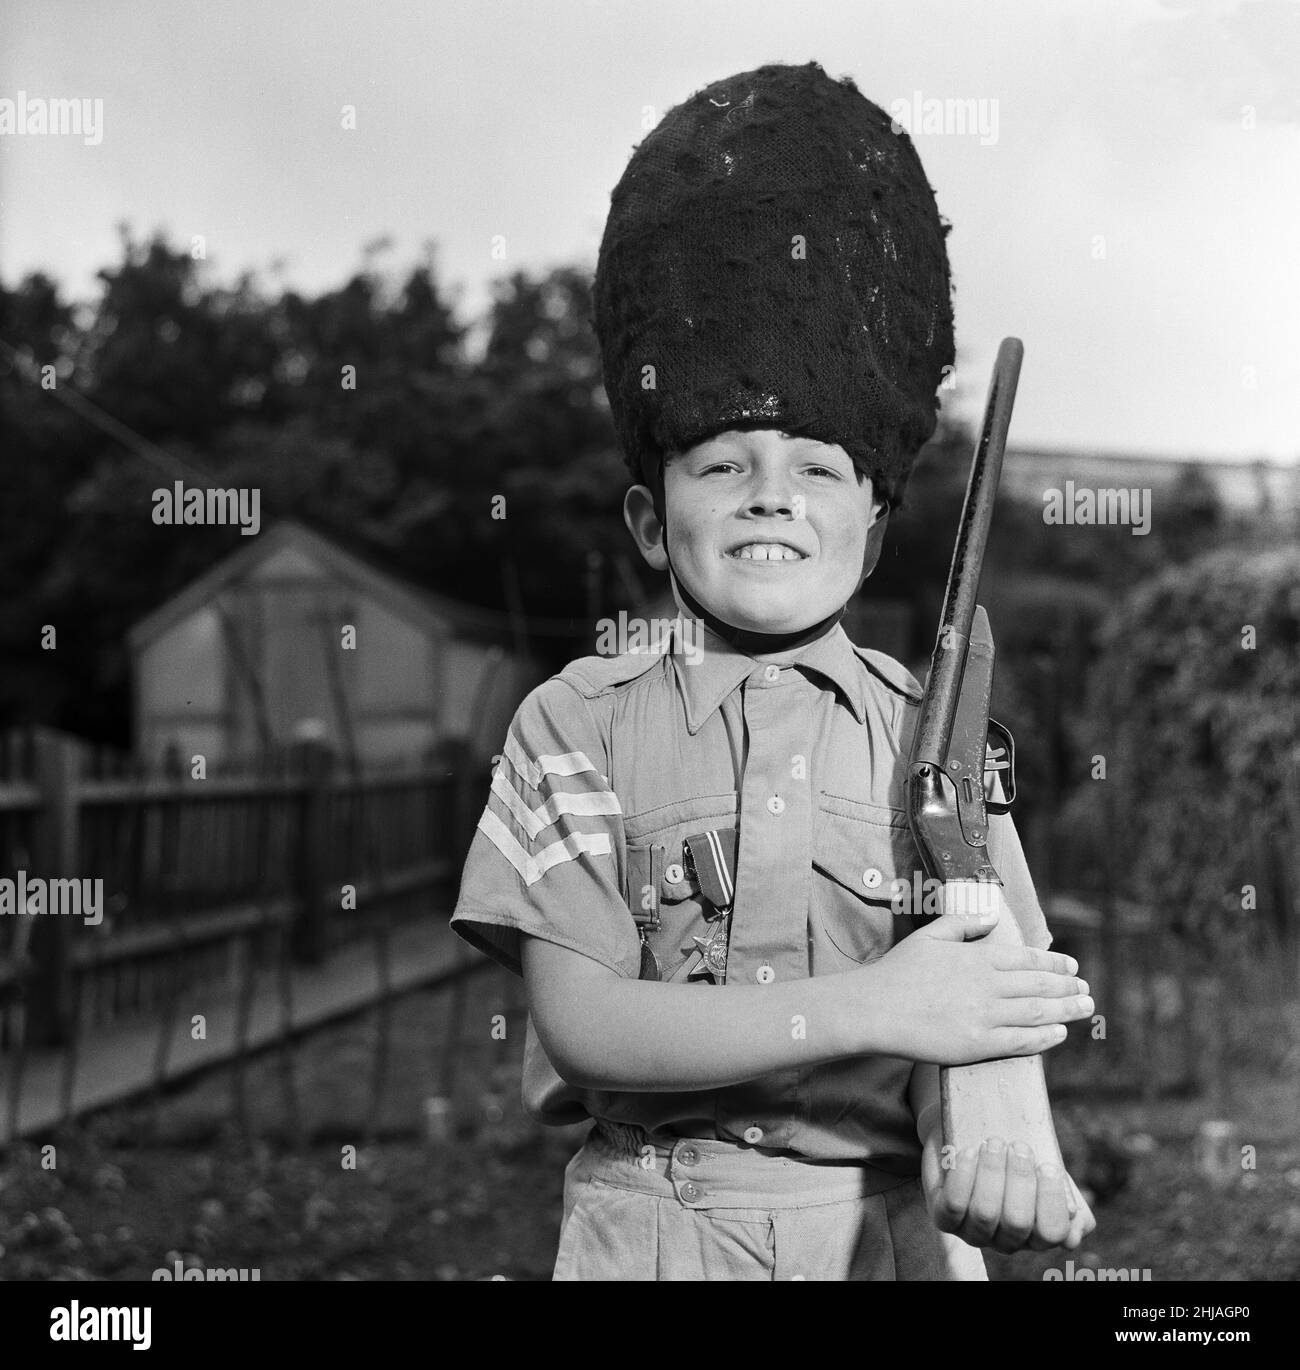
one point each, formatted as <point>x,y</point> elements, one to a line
<point>774,252</point>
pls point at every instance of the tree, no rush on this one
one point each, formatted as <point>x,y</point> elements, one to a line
<point>1192,703</point>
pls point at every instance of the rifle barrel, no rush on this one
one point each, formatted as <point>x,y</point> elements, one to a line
<point>946,664</point>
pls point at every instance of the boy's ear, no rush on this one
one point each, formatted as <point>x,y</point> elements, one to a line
<point>875,537</point>
<point>644,525</point>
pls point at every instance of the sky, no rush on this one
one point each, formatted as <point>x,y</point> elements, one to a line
<point>1127,205</point>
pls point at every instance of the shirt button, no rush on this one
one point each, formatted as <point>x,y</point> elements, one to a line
<point>688,1155</point>
<point>674,874</point>
<point>690,1192</point>
<point>871,877</point>
<point>772,673</point>
<point>765,975</point>
<point>776,804</point>
<point>753,1135</point>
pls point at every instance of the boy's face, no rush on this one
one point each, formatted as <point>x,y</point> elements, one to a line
<point>767,531</point>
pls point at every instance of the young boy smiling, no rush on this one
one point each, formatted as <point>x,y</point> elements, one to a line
<point>691,860</point>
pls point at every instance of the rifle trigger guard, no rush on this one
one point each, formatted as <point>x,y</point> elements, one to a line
<point>1000,755</point>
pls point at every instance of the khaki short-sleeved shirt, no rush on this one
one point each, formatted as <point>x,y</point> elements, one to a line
<point>612,764</point>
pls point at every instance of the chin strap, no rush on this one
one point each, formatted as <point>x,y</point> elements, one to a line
<point>748,641</point>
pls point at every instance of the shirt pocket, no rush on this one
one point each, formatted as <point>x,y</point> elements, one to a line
<point>684,912</point>
<point>868,859</point>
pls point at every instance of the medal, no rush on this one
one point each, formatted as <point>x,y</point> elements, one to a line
<point>713,952</point>
<point>710,857</point>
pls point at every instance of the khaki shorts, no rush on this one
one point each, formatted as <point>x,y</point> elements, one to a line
<point>694,1209</point>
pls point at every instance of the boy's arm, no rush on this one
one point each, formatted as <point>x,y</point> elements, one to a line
<point>602,1031</point>
<point>932,996</point>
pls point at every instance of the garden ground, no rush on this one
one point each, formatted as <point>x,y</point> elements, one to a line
<point>363,1191</point>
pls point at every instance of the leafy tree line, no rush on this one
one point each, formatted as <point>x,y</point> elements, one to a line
<point>167,374</point>
<point>247,383</point>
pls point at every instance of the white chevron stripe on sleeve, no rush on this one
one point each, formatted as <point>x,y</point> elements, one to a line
<point>532,772</point>
<point>532,868</point>
<point>535,821</point>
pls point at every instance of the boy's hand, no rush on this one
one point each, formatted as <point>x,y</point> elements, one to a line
<point>996,1196</point>
<point>940,999</point>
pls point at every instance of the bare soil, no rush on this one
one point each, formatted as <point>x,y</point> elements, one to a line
<point>356,1188</point>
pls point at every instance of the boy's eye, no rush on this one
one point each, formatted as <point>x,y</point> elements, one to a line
<point>731,465</point>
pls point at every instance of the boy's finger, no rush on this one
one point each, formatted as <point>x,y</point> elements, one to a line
<point>1018,1200</point>
<point>956,927</point>
<point>1052,1213</point>
<point>1040,984</point>
<point>984,1211</point>
<point>1026,1041</point>
<point>1076,1199</point>
<point>931,1175</point>
<point>1038,1012</point>
<point>1007,957</point>
<point>1081,1220</point>
<point>958,1182</point>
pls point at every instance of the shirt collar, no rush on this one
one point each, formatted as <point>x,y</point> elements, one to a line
<point>709,668</point>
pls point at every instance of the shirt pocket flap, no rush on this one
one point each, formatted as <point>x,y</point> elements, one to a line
<point>676,880</point>
<point>871,855</point>
<point>867,854</point>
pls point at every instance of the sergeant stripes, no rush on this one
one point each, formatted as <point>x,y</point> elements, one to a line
<point>505,801</point>
<point>532,772</point>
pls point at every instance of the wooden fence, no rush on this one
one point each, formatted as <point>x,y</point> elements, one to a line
<point>207,880</point>
<point>200,873</point>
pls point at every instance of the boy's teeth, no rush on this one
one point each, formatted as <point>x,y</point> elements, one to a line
<point>767,551</point>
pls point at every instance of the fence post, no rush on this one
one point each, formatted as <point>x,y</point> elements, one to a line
<point>55,856</point>
<point>310,925</point>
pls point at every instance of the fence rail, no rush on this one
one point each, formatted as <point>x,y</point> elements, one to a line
<point>196,875</point>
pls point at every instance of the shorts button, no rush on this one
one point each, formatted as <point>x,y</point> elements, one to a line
<point>776,804</point>
<point>871,877</point>
<point>765,975</point>
<point>773,673</point>
<point>690,1192</point>
<point>688,1155</point>
<point>753,1135</point>
<point>674,874</point>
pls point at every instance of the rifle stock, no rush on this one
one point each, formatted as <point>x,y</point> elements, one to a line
<point>1004,1098</point>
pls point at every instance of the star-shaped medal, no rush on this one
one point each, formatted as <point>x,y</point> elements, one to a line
<point>713,952</point>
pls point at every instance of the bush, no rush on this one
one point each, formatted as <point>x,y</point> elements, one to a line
<point>1193,704</point>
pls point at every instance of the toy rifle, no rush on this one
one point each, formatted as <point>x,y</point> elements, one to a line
<point>946,801</point>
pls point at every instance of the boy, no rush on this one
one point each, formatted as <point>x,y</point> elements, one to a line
<point>694,861</point>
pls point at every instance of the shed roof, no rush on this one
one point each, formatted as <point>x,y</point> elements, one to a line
<point>422,608</point>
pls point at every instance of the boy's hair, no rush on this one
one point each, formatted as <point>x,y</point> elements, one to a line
<point>774,252</point>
